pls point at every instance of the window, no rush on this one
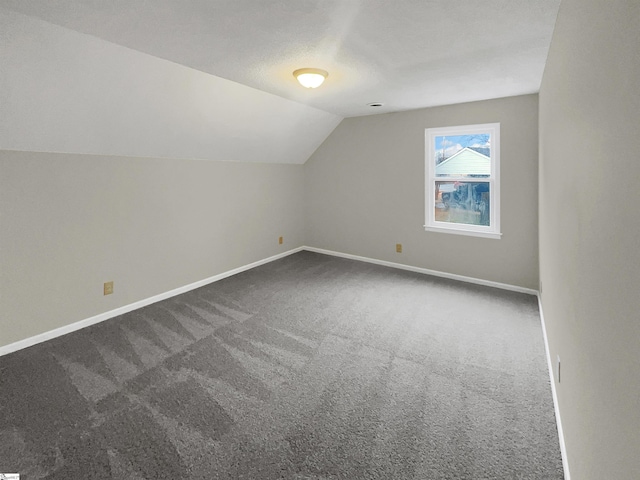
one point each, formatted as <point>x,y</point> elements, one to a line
<point>462,180</point>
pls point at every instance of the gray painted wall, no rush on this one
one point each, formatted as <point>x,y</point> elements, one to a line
<point>365,185</point>
<point>124,200</point>
<point>69,223</point>
<point>590,231</point>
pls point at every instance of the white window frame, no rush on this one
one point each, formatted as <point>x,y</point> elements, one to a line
<point>431,225</point>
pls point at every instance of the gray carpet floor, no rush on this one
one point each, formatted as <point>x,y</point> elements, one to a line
<point>310,367</point>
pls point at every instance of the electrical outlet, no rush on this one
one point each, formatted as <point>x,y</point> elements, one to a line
<point>398,248</point>
<point>558,368</point>
<point>281,240</point>
<point>108,288</point>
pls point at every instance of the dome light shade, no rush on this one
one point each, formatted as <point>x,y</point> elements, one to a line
<point>310,77</point>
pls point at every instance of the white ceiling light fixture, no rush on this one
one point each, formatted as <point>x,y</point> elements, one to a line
<point>310,77</point>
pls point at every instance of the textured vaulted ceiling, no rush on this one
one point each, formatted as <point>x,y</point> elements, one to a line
<point>404,53</point>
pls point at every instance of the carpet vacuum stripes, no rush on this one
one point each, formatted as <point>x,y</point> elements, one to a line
<point>309,367</point>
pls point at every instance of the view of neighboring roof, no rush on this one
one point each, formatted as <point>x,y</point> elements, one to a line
<point>465,162</point>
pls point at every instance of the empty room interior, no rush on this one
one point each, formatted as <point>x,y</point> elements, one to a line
<point>427,267</point>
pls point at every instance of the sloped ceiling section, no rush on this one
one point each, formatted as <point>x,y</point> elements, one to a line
<point>64,91</point>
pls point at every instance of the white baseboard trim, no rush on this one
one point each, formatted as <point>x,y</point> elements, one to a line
<point>43,337</point>
<point>563,448</point>
<point>426,271</point>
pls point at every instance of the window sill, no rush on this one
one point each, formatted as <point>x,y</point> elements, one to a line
<point>460,231</point>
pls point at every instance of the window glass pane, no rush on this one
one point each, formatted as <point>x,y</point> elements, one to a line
<point>462,202</point>
<point>463,155</point>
